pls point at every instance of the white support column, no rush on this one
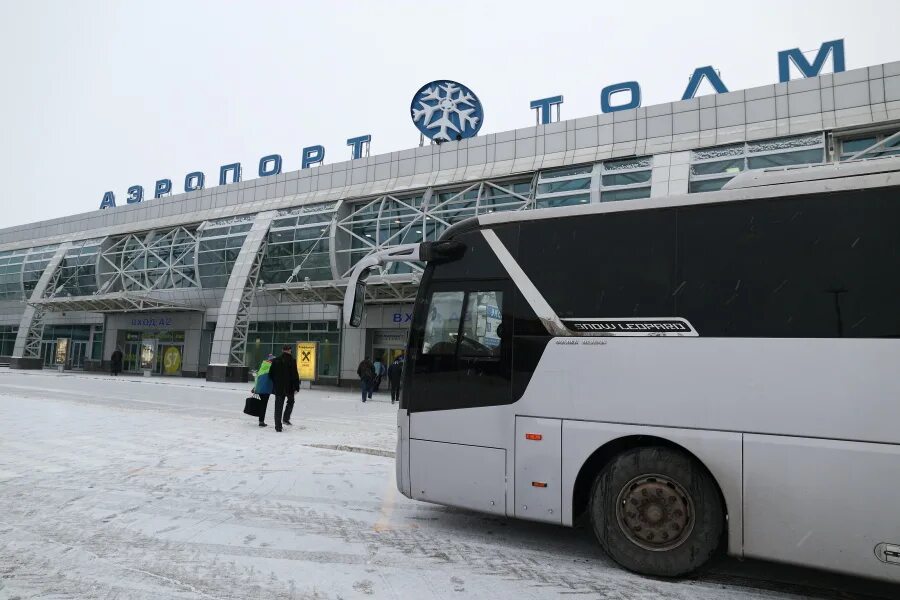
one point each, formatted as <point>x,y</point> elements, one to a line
<point>596,174</point>
<point>27,349</point>
<point>226,360</point>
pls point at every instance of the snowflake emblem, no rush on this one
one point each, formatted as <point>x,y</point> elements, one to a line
<point>446,110</point>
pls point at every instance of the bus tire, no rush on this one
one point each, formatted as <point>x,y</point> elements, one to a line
<point>657,512</point>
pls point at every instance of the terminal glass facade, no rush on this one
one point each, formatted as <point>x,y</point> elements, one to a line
<point>299,245</point>
<point>78,269</point>
<point>268,337</point>
<point>711,168</point>
<point>180,255</point>
<point>7,339</point>
<point>219,245</point>
<point>35,263</point>
<point>11,274</point>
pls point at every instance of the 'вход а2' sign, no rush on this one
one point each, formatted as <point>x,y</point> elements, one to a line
<point>313,155</point>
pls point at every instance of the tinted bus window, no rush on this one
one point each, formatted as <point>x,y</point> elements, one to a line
<point>609,265</point>
<point>813,266</point>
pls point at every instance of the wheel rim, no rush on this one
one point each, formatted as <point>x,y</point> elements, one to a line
<point>655,512</point>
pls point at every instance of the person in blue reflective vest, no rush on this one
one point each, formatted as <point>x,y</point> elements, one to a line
<point>263,386</point>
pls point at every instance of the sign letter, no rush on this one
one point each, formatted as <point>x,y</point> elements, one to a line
<point>265,161</point>
<point>697,79</point>
<point>109,200</point>
<point>626,86</point>
<point>543,107</point>
<point>786,57</point>
<point>235,169</point>
<point>163,187</point>
<point>135,194</point>
<point>357,144</point>
<point>193,181</point>
<point>313,155</point>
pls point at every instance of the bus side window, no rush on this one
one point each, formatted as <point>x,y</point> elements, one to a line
<point>442,324</point>
<point>481,326</point>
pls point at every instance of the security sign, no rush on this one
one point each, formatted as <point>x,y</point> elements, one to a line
<point>307,353</point>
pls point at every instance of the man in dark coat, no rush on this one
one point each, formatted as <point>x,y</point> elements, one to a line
<point>115,361</point>
<point>394,371</point>
<point>366,372</point>
<point>285,383</point>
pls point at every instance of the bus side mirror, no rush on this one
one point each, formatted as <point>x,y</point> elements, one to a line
<point>359,299</point>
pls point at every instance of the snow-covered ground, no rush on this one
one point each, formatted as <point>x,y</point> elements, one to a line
<point>133,488</point>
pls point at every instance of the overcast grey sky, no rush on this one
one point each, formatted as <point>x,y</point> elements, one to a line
<point>104,95</point>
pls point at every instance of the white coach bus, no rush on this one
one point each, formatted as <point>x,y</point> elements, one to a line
<point>716,370</point>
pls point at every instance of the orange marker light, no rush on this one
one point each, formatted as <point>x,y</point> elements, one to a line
<point>534,436</point>
<point>538,484</point>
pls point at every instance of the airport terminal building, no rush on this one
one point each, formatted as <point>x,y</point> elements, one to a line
<point>212,280</point>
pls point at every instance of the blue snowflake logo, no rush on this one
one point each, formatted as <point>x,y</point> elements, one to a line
<point>446,110</point>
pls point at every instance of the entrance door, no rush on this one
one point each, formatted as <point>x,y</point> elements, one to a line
<point>76,354</point>
<point>462,359</point>
<point>131,361</point>
<point>48,352</point>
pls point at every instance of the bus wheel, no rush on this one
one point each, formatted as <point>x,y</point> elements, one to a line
<point>655,511</point>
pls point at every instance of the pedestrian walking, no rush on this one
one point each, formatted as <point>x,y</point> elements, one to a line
<point>115,361</point>
<point>366,372</point>
<point>285,383</point>
<point>393,372</point>
<point>263,386</point>
<point>379,373</point>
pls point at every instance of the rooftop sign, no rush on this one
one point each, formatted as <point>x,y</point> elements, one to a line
<point>445,110</point>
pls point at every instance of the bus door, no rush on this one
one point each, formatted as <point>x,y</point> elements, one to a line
<point>461,382</point>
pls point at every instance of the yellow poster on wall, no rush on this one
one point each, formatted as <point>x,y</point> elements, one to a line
<point>306,360</point>
<point>172,360</point>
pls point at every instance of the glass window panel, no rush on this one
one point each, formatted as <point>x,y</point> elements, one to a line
<point>285,222</point>
<point>215,244</point>
<point>851,147</point>
<point>626,178</point>
<point>799,157</point>
<point>235,242</point>
<point>572,200</point>
<point>280,236</point>
<point>442,324</point>
<point>707,185</point>
<point>734,165</point>
<point>624,194</point>
<point>484,314</point>
<point>239,228</point>
<point>569,185</point>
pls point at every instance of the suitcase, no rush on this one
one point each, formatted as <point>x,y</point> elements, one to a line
<point>254,406</point>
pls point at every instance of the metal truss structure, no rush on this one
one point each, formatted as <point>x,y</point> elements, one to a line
<point>32,322</point>
<point>237,353</point>
<point>152,260</point>
<point>390,220</point>
<point>384,289</point>
<point>35,330</point>
<point>105,303</point>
